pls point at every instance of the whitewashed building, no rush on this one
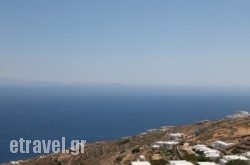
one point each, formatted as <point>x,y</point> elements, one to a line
<point>208,152</point>
<point>221,145</point>
<point>207,163</point>
<point>156,146</point>
<point>140,163</point>
<point>169,145</point>
<point>246,154</point>
<point>180,162</point>
<point>176,136</point>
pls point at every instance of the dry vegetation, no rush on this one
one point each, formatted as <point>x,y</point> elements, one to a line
<point>122,151</point>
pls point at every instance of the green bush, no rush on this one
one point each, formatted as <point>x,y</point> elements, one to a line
<point>135,150</point>
<point>236,151</point>
<point>237,162</point>
<point>159,162</point>
<point>202,158</point>
<point>119,159</point>
<point>123,141</point>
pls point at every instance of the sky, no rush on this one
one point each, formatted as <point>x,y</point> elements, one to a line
<point>131,42</point>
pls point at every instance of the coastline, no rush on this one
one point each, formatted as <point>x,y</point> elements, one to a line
<point>108,151</point>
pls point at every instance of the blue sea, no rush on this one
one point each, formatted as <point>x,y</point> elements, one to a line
<point>105,112</point>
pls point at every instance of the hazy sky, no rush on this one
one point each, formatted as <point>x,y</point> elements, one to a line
<point>140,42</point>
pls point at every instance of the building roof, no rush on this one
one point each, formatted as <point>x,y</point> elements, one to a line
<point>214,155</point>
<point>224,143</point>
<point>247,154</point>
<point>234,157</point>
<point>206,163</point>
<point>212,151</point>
<point>156,146</point>
<point>176,134</point>
<point>203,149</point>
<point>199,145</point>
<point>140,163</point>
<point>180,162</point>
<point>167,142</point>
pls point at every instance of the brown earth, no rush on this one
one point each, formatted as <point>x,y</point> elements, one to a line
<point>122,151</point>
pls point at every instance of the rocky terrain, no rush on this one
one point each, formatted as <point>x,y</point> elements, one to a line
<point>127,149</point>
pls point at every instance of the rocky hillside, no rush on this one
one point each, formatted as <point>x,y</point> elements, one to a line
<point>122,151</point>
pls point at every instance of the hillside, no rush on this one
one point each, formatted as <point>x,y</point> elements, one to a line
<point>124,150</point>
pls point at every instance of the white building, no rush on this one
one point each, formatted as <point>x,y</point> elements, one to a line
<point>208,152</point>
<point>228,158</point>
<point>16,162</point>
<point>176,136</point>
<point>207,163</point>
<point>212,156</point>
<point>201,148</point>
<point>180,162</point>
<point>167,144</point>
<point>220,145</point>
<point>141,163</point>
<point>156,146</point>
<point>247,154</point>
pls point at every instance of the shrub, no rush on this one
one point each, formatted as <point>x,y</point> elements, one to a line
<point>135,150</point>
<point>159,162</point>
<point>119,159</point>
<point>123,141</point>
<point>237,162</point>
<point>202,158</point>
<point>236,151</point>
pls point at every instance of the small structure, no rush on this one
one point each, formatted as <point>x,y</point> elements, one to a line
<point>207,163</point>
<point>200,148</point>
<point>246,154</point>
<point>156,146</point>
<point>176,136</point>
<point>221,145</point>
<point>228,158</point>
<point>180,162</point>
<point>212,156</point>
<point>167,144</point>
<point>16,162</point>
<point>140,163</point>
<point>152,130</point>
<point>202,121</point>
